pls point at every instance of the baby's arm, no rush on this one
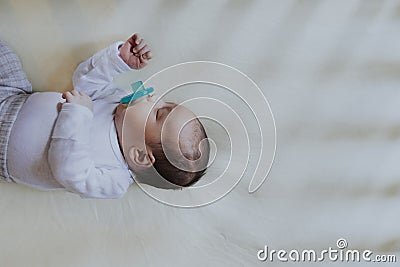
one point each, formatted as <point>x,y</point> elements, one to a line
<point>95,75</point>
<point>69,158</point>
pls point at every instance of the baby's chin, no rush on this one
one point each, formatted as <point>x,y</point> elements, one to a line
<point>119,115</point>
<point>119,110</point>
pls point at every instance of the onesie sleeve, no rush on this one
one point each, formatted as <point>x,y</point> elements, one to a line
<point>94,76</point>
<point>70,162</point>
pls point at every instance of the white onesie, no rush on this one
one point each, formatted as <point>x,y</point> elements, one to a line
<point>75,148</point>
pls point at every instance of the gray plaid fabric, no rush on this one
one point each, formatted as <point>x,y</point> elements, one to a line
<point>14,90</point>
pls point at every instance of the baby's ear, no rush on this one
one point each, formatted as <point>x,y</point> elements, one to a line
<point>141,157</point>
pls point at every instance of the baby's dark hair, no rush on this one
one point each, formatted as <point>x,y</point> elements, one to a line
<point>197,156</point>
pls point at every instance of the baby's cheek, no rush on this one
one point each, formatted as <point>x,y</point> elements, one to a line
<point>153,134</point>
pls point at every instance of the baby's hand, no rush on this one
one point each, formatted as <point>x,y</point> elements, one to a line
<point>78,98</point>
<point>135,52</point>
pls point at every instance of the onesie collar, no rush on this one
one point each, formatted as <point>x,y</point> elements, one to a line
<point>160,183</point>
<point>115,147</point>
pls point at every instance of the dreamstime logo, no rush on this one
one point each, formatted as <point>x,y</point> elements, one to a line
<point>238,121</point>
<point>341,254</point>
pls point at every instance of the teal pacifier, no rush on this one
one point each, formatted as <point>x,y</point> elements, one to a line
<point>138,91</point>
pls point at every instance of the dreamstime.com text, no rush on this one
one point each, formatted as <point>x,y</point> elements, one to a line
<point>341,253</point>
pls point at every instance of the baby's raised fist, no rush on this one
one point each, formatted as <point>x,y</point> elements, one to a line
<point>135,52</point>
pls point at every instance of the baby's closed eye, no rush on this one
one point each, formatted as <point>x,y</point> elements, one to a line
<point>162,113</point>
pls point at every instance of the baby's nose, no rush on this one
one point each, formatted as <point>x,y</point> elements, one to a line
<point>151,98</point>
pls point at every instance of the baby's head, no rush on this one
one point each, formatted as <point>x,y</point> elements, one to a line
<point>163,135</point>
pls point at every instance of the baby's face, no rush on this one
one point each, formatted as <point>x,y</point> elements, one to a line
<point>146,119</point>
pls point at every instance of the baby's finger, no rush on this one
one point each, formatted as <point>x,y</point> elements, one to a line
<point>136,38</point>
<point>147,55</point>
<point>139,46</point>
<point>64,95</point>
<point>74,93</point>
<point>132,39</point>
<point>67,96</point>
<point>143,61</point>
<point>144,50</point>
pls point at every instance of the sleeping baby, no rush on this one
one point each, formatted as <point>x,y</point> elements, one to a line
<point>85,141</point>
